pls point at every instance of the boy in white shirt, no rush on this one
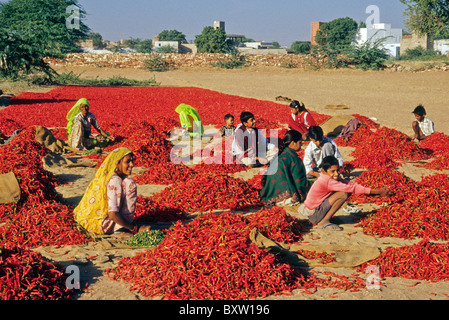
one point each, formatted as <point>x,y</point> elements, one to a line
<point>422,126</point>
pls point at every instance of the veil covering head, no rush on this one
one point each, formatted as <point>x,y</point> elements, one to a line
<point>73,112</point>
<point>184,111</point>
<point>93,207</point>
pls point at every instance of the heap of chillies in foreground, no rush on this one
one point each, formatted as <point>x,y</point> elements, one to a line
<point>213,258</point>
<point>26,275</point>
<point>39,218</point>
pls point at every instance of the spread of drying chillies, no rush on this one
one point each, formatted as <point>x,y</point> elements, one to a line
<point>39,218</point>
<point>421,211</point>
<point>209,258</point>
<point>223,192</point>
<point>422,261</point>
<point>213,258</point>
<point>26,275</point>
<point>323,257</point>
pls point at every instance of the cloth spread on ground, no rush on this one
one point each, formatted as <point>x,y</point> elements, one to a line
<point>345,256</point>
<point>9,188</point>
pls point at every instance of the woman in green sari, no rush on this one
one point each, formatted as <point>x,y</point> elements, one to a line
<point>190,120</point>
<point>80,121</point>
<point>285,182</point>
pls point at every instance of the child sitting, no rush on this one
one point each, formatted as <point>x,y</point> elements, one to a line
<point>228,129</point>
<point>301,120</point>
<point>249,145</point>
<point>328,194</point>
<point>422,126</point>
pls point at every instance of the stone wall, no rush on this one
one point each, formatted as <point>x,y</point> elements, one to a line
<point>137,60</point>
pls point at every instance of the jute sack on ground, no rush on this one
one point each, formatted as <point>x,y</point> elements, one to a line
<point>47,139</point>
<point>9,188</point>
<point>345,256</point>
<point>333,126</point>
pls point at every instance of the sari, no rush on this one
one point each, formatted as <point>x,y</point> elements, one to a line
<point>73,112</point>
<point>93,207</point>
<point>185,111</point>
<point>286,182</point>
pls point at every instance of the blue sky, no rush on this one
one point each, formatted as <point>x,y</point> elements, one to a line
<point>284,21</point>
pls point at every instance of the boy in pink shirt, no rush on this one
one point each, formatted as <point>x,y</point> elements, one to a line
<point>328,194</point>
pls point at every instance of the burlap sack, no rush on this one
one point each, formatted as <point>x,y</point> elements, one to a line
<point>9,188</point>
<point>47,139</point>
<point>345,256</point>
<point>333,126</point>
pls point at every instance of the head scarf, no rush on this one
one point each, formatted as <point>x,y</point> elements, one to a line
<point>185,111</point>
<point>73,112</point>
<point>93,207</point>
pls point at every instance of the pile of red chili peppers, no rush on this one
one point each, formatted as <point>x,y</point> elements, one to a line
<point>26,275</point>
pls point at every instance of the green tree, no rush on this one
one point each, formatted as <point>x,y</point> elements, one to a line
<point>172,35</point>
<point>44,24</point>
<point>97,40</point>
<point>301,47</point>
<point>429,17</point>
<point>145,46</point>
<point>337,34</point>
<point>31,30</point>
<point>212,41</point>
<point>276,45</point>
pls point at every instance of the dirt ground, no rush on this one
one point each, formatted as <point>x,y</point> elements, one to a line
<point>388,96</point>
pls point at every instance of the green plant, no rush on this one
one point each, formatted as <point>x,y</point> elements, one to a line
<point>369,55</point>
<point>72,78</point>
<point>421,54</point>
<point>301,47</point>
<point>147,238</point>
<point>157,63</point>
<point>233,61</point>
<point>213,41</point>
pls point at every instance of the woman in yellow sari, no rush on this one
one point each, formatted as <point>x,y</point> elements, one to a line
<point>109,202</point>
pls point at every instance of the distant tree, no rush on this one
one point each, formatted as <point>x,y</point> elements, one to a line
<point>172,35</point>
<point>145,46</point>
<point>337,34</point>
<point>276,45</point>
<point>212,41</point>
<point>97,40</point>
<point>31,30</point>
<point>301,47</point>
<point>429,17</point>
<point>362,24</point>
<point>44,24</point>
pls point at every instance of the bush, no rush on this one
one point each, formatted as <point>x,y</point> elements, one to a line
<point>419,53</point>
<point>157,63</point>
<point>368,55</point>
<point>234,61</point>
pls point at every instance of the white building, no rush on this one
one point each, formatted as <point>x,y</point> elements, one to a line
<point>442,46</point>
<point>160,44</point>
<point>391,37</point>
